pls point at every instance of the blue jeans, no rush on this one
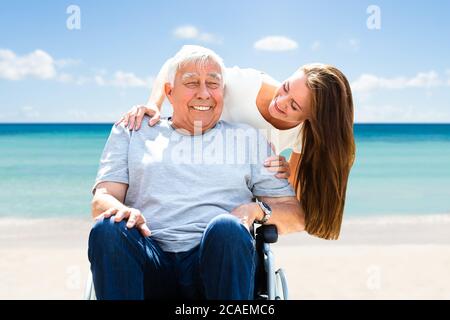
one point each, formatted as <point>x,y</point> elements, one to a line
<point>126,265</point>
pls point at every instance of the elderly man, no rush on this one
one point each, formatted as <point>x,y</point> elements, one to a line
<point>173,202</point>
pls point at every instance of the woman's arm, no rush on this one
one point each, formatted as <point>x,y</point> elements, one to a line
<point>133,118</point>
<point>287,214</point>
<point>157,95</point>
<point>294,164</point>
<point>268,89</point>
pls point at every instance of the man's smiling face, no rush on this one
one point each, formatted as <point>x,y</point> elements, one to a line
<point>196,96</point>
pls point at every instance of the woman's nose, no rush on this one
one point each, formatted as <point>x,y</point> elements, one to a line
<point>282,102</point>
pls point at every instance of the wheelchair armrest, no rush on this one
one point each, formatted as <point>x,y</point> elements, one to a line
<point>268,233</point>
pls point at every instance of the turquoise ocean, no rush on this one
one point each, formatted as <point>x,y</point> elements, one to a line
<point>47,170</point>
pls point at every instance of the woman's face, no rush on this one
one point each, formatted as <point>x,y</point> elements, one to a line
<point>292,102</point>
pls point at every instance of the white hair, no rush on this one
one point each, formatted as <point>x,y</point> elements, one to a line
<point>192,53</point>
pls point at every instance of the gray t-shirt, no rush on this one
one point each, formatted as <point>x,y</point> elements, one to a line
<point>180,182</point>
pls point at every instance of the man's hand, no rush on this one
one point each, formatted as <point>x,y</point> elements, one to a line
<point>134,217</point>
<point>248,213</point>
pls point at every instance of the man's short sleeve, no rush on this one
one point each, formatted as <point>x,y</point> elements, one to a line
<point>114,161</point>
<point>263,183</point>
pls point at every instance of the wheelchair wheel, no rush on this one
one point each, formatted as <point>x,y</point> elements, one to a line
<point>89,292</point>
<point>281,290</point>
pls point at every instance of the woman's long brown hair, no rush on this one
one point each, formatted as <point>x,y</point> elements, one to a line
<point>328,151</point>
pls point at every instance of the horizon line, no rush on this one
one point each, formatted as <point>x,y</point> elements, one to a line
<point>356,123</point>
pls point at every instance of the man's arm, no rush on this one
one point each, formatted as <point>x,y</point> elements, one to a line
<point>108,195</point>
<point>108,201</point>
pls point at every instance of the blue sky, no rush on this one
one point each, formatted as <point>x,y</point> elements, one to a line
<point>49,73</point>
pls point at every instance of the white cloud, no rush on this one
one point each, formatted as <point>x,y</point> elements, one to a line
<point>315,46</point>
<point>119,79</point>
<point>123,80</point>
<point>400,114</point>
<point>41,65</point>
<point>368,82</point>
<point>193,33</point>
<point>275,43</point>
<point>129,79</point>
<point>99,80</point>
<point>30,112</point>
<point>62,63</point>
<point>79,80</point>
<point>79,115</point>
<point>365,111</point>
<point>425,80</point>
<point>38,64</point>
<point>349,45</point>
<point>186,32</point>
<point>65,78</point>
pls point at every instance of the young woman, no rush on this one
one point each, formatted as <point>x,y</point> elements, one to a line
<point>311,112</point>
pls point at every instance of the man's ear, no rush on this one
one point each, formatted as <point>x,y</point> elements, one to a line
<point>168,89</point>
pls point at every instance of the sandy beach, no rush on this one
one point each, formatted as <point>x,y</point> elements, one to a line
<point>375,258</point>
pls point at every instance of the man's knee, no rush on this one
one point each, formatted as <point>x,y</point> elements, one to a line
<point>106,231</point>
<point>227,227</point>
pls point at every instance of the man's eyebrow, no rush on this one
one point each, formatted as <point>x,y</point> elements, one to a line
<point>189,75</point>
<point>215,75</point>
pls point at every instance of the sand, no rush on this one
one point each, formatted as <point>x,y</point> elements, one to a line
<point>385,258</point>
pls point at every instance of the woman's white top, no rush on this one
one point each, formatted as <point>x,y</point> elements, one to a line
<point>241,90</point>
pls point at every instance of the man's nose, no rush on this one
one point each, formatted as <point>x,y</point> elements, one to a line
<point>203,92</point>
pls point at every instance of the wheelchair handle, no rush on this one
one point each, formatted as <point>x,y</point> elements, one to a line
<point>268,233</point>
